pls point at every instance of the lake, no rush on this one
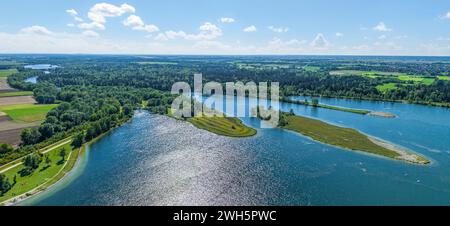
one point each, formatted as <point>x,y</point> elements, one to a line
<point>155,160</point>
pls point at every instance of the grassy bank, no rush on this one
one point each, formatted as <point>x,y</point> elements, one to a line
<point>44,175</point>
<point>224,126</point>
<point>346,138</point>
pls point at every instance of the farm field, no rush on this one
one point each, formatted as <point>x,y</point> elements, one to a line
<point>402,77</point>
<point>386,87</point>
<point>444,78</point>
<point>16,94</point>
<point>311,68</point>
<point>7,72</point>
<point>20,100</point>
<point>4,86</point>
<point>27,112</point>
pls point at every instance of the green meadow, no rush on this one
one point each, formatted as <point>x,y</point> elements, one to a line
<point>27,112</point>
<point>386,87</point>
<point>311,68</point>
<point>7,72</point>
<point>402,77</point>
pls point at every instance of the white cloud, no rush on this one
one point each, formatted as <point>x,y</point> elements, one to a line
<point>99,12</point>
<point>446,16</point>
<point>93,25</point>
<point>278,29</point>
<point>227,20</point>
<point>70,25</point>
<point>381,27</point>
<point>382,37</point>
<point>38,30</point>
<point>251,28</point>
<point>138,24</point>
<point>208,31</point>
<point>320,42</point>
<point>72,12</point>
<point>339,34</point>
<point>90,34</point>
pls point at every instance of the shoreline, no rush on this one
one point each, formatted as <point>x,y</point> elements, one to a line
<point>405,155</point>
<point>43,187</point>
<point>34,193</point>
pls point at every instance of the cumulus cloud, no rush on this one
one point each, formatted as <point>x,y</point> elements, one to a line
<point>38,30</point>
<point>227,20</point>
<point>138,24</point>
<point>446,16</point>
<point>278,29</point>
<point>339,34</point>
<point>381,27</point>
<point>208,31</point>
<point>320,42</point>
<point>99,12</point>
<point>251,28</point>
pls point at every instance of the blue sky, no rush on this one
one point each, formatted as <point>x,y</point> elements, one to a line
<point>362,27</point>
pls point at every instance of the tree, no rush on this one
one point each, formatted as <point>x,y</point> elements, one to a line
<point>5,185</point>
<point>30,136</point>
<point>78,140</point>
<point>62,154</point>
<point>48,162</point>
<point>32,161</point>
<point>5,148</point>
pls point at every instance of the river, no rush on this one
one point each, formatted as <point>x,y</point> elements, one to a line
<point>155,160</point>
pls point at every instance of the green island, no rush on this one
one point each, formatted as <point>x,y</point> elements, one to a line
<point>315,103</point>
<point>224,126</point>
<point>346,138</point>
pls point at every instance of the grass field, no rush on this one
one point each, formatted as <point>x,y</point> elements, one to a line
<point>386,87</point>
<point>337,136</point>
<point>27,112</point>
<point>7,72</point>
<point>311,68</point>
<point>16,94</point>
<point>402,77</point>
<point>231,127</point>
<point>444,78</point>
<point>40,176</point>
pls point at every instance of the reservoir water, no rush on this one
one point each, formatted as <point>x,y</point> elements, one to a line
<point>155,160</point>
